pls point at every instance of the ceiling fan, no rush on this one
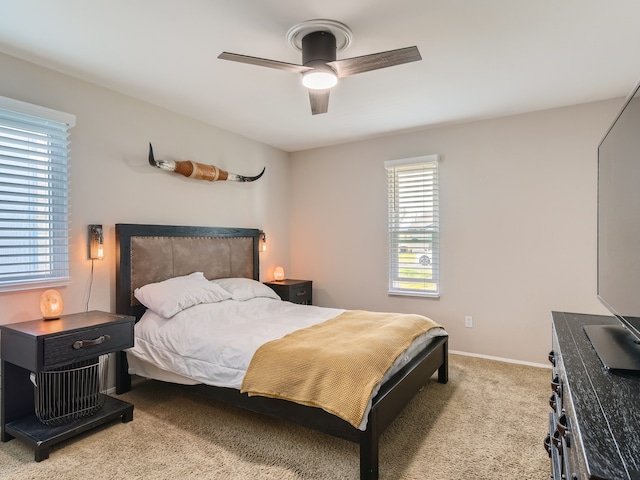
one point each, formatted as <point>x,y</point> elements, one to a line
<point>319,41</point>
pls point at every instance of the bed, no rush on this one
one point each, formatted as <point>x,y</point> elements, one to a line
<point>150,254</point>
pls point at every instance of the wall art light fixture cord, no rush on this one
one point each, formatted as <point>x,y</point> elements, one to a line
<point>86,309</point>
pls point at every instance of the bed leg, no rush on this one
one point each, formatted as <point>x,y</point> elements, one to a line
<point>443,371</point>
<point>123,379</point>
<point>369,452</point>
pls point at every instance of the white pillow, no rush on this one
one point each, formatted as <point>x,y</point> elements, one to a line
<point>243,289</point>
<point>176,294</point>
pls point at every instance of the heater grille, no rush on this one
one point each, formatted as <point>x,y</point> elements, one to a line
<point>67,394</point>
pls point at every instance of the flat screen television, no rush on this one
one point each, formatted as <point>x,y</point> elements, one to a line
<point>619,239</point>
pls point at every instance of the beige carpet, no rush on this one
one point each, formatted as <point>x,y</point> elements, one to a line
<point>488,422</point>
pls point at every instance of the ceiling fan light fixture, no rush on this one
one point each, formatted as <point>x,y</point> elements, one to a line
<point>319,79</point>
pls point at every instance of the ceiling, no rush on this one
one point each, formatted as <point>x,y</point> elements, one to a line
<point>481,59</point>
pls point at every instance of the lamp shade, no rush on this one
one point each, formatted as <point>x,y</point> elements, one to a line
<point>51,304</point>
<point>278,273</point>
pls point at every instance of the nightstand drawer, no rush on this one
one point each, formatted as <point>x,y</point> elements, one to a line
<point>90,342</point>
<point>301,293</point>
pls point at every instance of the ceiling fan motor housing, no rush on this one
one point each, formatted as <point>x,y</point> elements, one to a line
<point>318,48</point>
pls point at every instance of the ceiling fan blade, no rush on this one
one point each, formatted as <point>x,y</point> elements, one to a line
<point>263,62</point>
<point>319,101</point>
<point>375,61</point>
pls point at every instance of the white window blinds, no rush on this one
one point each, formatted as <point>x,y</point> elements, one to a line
<point>34,238</point>
<point>414,254</point>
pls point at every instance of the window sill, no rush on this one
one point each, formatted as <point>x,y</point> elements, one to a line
<point>435,296</point>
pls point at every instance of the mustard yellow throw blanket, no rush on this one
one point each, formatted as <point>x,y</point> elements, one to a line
<point>334,365</point>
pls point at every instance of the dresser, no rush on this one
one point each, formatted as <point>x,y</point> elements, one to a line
<point>31,350</point>
<point>594,423</point>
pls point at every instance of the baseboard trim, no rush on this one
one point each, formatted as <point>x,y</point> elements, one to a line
<point>501,359</point>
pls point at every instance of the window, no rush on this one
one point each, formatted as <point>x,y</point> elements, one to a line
<point>414,254</point>
<point>34,231</point>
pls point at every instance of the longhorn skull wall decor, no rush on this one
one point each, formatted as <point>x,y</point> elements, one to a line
<point>201,171</point>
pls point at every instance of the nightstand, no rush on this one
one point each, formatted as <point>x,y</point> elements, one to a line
<point>48,346</point>
<point>295,291</point>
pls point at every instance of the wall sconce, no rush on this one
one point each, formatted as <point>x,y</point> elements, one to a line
<point>262,246</point>
<point>278,274</point>
<point>51,304</point>
<point>96,242</point>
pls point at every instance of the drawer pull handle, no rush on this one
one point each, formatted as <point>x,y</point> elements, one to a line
<point>562,427</point>
<point>302,293</point>
<point>563,424</point>
<point>553,402</point>
<point>556,439</point>
<point>547,444</point>
<point>87,343</point>
<point>555,384</point>
<point>552,358</point>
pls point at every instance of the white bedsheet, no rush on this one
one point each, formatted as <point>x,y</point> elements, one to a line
<point>214,343</point>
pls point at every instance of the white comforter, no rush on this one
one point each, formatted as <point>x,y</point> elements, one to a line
<point>213,343</point>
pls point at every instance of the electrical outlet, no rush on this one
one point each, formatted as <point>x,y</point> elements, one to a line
<point>468,321</point>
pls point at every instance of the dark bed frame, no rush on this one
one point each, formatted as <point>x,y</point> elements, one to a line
<point>387,404</point>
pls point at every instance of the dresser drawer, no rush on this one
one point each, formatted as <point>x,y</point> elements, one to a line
<point>72,347</point>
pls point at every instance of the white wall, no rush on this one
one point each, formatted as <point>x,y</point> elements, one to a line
<point>112,182</point>
<point>518,218</point>
<point>518,208</point>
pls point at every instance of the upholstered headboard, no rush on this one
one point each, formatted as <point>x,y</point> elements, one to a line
<point>152,253</point>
